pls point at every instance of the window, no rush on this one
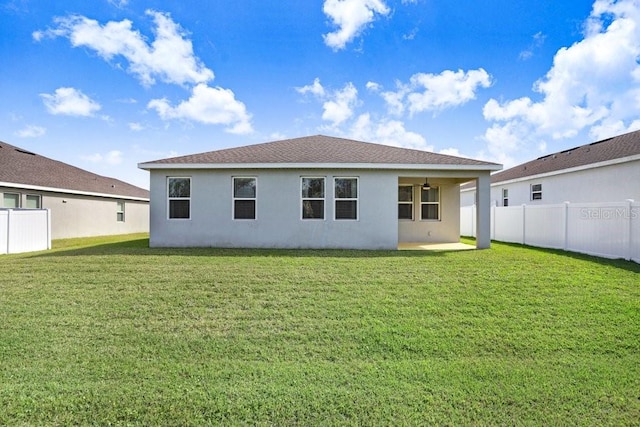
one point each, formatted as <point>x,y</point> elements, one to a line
<point>430,203</point>
<point>11,200</point>
<point>405,202</point>
<point>244,198</point>
<point>312,198</point>
<point>346,198</point>
<point>505,197</point>
<point>179,192</point>
<point>33,201</point>
<point>120,212</point>
<point>536,192</point>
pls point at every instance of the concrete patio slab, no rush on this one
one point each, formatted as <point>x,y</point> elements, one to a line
<point>434,246</point>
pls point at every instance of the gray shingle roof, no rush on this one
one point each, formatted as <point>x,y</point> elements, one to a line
<point>318,149</point>
<point>18,166</point>
<point>607,149</point>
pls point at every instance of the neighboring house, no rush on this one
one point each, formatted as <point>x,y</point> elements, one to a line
<point>81,203</point>
<point>603,171</point>
<point>313,192</point>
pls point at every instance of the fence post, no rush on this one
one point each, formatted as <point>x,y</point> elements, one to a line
<point>493,222</point>
<point>524,225</point>
<point>48,228</point>
<point>629,250</point>
<point>565,238</point>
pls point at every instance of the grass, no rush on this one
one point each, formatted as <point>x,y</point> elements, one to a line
<point>107,331</point>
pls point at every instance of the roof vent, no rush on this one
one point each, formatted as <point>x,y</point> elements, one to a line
<point>20,150</point>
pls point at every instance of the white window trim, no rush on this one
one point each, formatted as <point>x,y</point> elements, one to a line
<point>324,199</point>
<point>356,199</point>
<point>432,203</point>
<point>34,195</point>
<point>412,202</point>
<point>505,196</point>
<point>234,198</point>
<point>535,192</point>
<point>122,211</point>
<point>15,194</point>
<point>178,198</point>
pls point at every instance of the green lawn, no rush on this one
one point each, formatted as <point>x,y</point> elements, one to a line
<point>107,331</point>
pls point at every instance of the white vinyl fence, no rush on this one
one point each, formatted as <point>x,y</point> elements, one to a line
<point>24,230</point>
<point>609,230</point>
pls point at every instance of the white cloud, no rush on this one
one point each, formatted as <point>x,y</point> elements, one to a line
<point>444,90</point>
<point>209,106</point>
<point>71,102</point>
<point>315,88</point>
<point>136,127</point>
<point>538,41</point>
<point>593,85</point>
<point>340,107</point>
<point>113,157</point>
<point>389,132</point>
<point>351,17</point>
<point>31,131</point>
<point>119,3</point>
<point>373,86</point>
<point>436,92</point>
<point>169,57</point>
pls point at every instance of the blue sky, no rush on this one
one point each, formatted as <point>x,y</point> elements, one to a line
<point>107,84</point>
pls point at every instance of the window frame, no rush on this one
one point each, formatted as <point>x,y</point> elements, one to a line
<point>170,199</point>
<point>234,199</point>
<point>436,203</point>
<point>323,199</point>
<point>120,211</point>
<point>536,193</point>
<point>18,200</point>
<point>337,199</point>
<point>505,197</point>
<point>32,196</point>
<point>404,202</point>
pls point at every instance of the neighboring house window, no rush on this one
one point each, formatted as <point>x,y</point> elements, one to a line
<point>405,202</point>
<point>430,203</point>
<point>244,198</point>
<point>312,198</point>
<point>505,197</point>
<point>536,192</point>
<point>11,200</point>
<point>120,212</point>
<point>33,201</point>
<point>179,195</point>
<point>346,198</point>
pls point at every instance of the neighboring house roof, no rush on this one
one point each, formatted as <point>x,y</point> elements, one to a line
<point>24,169</point>
<point>610,149</point>
<point>318,150</point>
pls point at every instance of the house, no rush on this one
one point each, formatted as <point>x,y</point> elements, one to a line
<point>81,203</point>
<point>313,192</point>
<point>603,171</point>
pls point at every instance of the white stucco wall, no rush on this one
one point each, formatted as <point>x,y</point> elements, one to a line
<point>84,216</point>
<point>278,223</point>
<point>612,183</point>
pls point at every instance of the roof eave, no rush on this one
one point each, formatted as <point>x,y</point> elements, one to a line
<point>383,166</point>
<point>75,192</point>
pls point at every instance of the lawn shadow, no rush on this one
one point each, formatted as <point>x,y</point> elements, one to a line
<point>140,247</point>
<point>611,262</point>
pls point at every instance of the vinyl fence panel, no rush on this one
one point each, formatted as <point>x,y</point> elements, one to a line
<point>24,230</point>
<point>610,230</point>
<point>544,226</point>
<point>508,224</point>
